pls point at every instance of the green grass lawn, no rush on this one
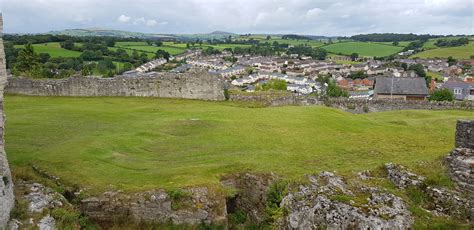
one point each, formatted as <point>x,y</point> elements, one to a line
<point>53,49</point>
<point>363,49</point>
<point>145,143</point>
<point>459,52</point>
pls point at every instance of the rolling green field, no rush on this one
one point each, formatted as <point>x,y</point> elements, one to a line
<point>459,52</point>
<point>53,49</point>
<point>150,50</point>
<point>363,49</point>
<point>144,143</point>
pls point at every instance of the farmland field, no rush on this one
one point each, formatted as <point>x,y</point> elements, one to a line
<point>144,143</point>
<point>459,52</point>
<point>144,47</point>
<point>363,49</point>
<point>53,49</point>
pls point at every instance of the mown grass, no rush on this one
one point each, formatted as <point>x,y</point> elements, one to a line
<point>363,49</point>
<point>144,143</point>
<point>52,48</point>
<point>459,52</point>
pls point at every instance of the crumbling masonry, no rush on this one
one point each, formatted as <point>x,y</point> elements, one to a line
<point>6,183</point>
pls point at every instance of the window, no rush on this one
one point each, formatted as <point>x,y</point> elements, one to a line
<point>457,90</point>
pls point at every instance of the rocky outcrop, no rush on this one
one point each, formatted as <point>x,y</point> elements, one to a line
<point>188,206</point>
<point>440,201</point>
<point>401,177</point>
<point>194,84</point>
<point>6,183</point>
<point>39,202</point>
<point>325,201</point>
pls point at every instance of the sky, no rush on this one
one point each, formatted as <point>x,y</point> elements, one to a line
<point>309,17</point>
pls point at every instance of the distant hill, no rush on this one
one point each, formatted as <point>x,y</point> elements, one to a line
<point>111,33</point>
<point>221,33</point>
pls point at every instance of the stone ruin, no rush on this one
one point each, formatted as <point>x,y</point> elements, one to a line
<point>461,161</point>
<point>6,184</point>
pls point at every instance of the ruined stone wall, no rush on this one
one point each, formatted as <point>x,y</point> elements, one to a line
<point>6,183</point>
<point>195,84</point>
<point>351,105</point>
<point>461,160</point>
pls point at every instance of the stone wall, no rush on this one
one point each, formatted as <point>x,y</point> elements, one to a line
<point>195,84</point>
<point>192,206</point>
<point>465,134</point>
<point>6,183</point>
<point>460,161</point>
<point>350,105</point>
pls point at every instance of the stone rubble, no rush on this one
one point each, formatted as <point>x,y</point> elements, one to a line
<point>311,207</point>
<point>47,223</point>
<point>401,177</point>
<point>41,197</point>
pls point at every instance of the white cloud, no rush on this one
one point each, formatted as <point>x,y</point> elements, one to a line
<point>318,17</point>
<point>123,18</point>
<point>139,21</point>
<point>313,12</point>
<point>151,22</point>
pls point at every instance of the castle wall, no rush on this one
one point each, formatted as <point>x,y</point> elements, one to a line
<point>194,84</point>
<point>6,184</point>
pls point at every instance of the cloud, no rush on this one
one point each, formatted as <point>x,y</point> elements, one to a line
<point>151,22</point>
<point>139,21</point>
<point>318,17</point>
<point>123,18</point>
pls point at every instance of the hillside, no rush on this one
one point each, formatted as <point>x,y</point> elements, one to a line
<point>146,143</point>
<point>111,33</point>
<point>459,52</point>
<point>363,48</point>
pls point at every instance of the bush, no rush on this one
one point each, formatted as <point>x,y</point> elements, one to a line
<point>442,95</point>
<point>275,84</point>
<point>275,195</point>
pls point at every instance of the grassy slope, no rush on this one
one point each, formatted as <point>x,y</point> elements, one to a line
<point>459,52</point>
<point>363,48</point>
<point>53,49</point>
<point>144,143</point>
<point>151,50</point>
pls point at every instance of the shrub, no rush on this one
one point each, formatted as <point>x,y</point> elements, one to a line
<point>238,217</point>
<point>442,95</point>
<point>275,195</point>
<point>275,84</point>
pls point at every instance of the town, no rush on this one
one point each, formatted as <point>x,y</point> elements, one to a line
<point>304,75</point>
<point>249,114</point>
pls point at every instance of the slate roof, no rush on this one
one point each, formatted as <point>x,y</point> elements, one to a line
<point>401,86</point>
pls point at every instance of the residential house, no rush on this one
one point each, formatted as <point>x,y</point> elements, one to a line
<point>398,88</point>
<point>461,90</point>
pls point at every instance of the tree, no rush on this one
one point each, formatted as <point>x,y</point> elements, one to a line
<point>404,66</point>
<point>162,54</point>
<point>335,91</point>
<point>396,43</point>
<point>158,43</point>
<point>44,57</point>
<point>451,61</point>
<point>442,95</point>
<point>27,59</point>
<point>420,71</point>
<point>68,44</point>
<point>110,43</point>
<point>354,56</point>
<point>269,37</point>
